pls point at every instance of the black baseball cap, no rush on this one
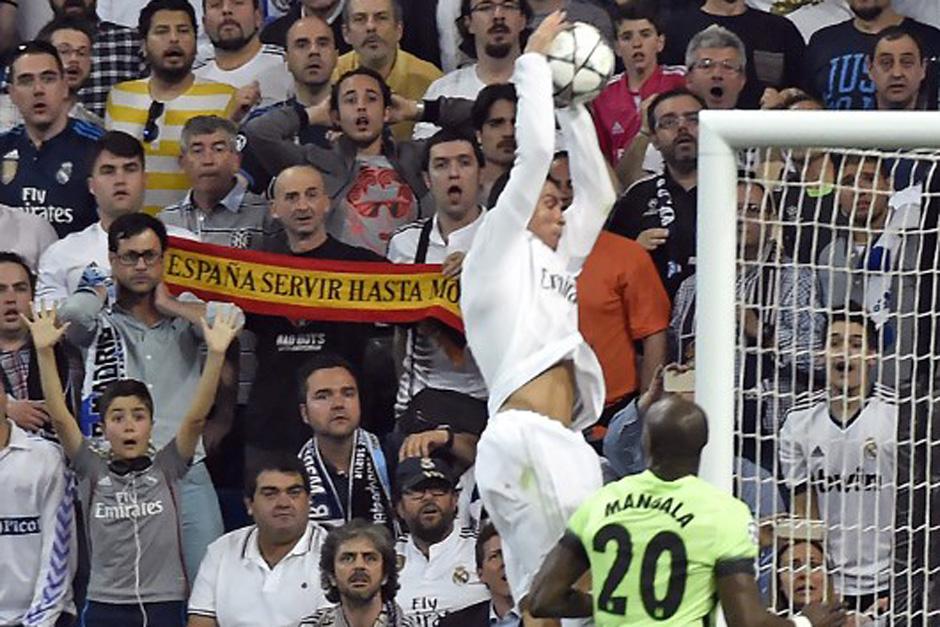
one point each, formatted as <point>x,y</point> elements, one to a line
<point>414,471</point>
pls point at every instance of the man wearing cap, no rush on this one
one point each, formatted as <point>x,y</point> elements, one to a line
<point>433,582</point>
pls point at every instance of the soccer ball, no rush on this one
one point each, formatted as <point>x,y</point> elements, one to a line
<point>581,63</point>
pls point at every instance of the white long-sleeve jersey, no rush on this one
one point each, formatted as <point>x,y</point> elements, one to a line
<point>37,532</point>
<point>518,296</point>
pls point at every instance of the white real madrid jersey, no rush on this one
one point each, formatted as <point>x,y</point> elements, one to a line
<point>850,468</point>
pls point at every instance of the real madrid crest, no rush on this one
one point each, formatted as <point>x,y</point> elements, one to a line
<point>461,576</point>
<point>9,167</point>
<point>870,448</point>
<point>399,561</point>
<point>64,173</point>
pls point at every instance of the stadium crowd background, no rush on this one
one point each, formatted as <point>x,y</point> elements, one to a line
<point>363,130</point>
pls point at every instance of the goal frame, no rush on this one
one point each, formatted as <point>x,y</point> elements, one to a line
<point>720,133</point>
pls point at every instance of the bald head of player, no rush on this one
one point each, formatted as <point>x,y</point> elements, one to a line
<point>674,433</point>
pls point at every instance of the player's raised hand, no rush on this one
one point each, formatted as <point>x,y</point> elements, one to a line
<point>224,328</point>
<point>43,327</point>
<point>541,39</point>
<point>825,614</point>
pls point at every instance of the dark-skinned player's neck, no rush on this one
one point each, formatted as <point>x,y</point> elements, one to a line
<point>41,134</point>
<point>166,87</point>
<point>724,7</point>
<point>362,613</point>
<point>14,340</point>
<point>887,17</point>
<point>674,468</point>
<point>447,223</point>
<point>274,546</point>
<point>300,243</point>
<point>309,95</point>
<point>686,177</point>
<point>141,307</point>
<point>336,451</point>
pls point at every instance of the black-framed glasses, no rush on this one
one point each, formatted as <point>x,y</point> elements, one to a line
<point>131,258</point>
<point>673,120</point>
<point>725,67</point>
<point>151,130</point>
<point>489,8</point>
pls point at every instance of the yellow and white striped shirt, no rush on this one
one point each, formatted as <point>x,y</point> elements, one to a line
<point>128,105</point>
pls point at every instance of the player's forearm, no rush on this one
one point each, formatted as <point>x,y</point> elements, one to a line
<point>62,420</point>
<point>567,604</point>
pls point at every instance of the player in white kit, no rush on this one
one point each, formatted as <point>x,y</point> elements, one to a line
<point>520,310</point>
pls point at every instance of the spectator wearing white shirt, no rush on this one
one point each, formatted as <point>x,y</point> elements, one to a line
<point>37,518</point>
<point>437,561</point>
<point>492,33</point>
<point>118,183</point>
<point>25,234</point>
<point>239,58</point>
<point>267,573</point>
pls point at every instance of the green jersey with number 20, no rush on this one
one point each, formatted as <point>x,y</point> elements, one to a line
<point>654,547</point>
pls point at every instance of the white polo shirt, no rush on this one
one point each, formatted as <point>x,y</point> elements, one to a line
<point>236,587</point>
<point>268,67</point>
<point>445,582</point>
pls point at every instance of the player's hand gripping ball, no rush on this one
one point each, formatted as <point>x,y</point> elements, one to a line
<point>581,63</point>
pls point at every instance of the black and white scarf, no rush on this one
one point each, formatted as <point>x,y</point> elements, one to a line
<point>369,490</point>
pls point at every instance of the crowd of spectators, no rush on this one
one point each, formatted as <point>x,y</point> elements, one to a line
<point>138,427</point>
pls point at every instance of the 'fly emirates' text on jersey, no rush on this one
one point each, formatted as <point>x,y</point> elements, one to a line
<point>519,297</point>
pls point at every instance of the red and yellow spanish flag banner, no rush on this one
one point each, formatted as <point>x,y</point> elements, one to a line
<point>312,289</point>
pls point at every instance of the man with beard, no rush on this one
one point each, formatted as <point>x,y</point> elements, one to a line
<point>154,109</point>
<point>494,120</point>
<point>374,29</point>
<point>492,34</point>
<point>344,463</point>
<point>659,212</point>
<point>359,573</point>
<point>46,160</point>
<point>74,40</point>
<point>436,559</point>
<point>311,58</point>
<point>240,59</point>
<point>116,53</point>
<point>330,11</point>
<point>263,574</point>
<point>836,66</point>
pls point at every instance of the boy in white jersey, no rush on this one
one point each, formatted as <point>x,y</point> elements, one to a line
<point>520,308</point>
<point>839,457</point>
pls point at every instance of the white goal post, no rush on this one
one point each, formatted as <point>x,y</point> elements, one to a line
<point>720,134</point>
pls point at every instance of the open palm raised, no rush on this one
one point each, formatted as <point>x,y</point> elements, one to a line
<point>43,327</point>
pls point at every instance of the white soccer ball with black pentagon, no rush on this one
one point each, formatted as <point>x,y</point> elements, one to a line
<point>581,63</point>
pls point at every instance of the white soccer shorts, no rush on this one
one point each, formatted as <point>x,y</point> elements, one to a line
<point>532,473</point>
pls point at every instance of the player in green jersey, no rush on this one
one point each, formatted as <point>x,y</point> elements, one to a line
<point>662,544</point>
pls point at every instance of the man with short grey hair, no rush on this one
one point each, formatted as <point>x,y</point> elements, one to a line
<point>717,67</point>
<point>218,208</point>
<point>774,46</point>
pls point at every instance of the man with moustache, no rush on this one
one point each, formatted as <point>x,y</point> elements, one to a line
<point>359,573</point>
<point>239,58</point>
<point>374,29</point>
<point>155,109</point>
<point>494,120</point>
<point>311,58</point>
<point>437,568</point>
<point>492,33</point>
<point>116,53</point>
<point>659,212</point>
<point>266,573</point>
<point>836,66</point>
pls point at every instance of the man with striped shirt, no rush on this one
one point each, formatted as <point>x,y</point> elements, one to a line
<point>154,109</point>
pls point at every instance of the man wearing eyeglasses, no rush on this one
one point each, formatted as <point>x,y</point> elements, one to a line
<point>154,109</point>
<point>492,32</point>
<point>659,212</point>
<point>45,161</point>
<point>148,335</point>
<point>74,40</point>
<point>437,560</point>
<point>774,45</point>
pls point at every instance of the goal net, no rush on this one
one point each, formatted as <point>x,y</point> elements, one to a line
<point>816,348</point>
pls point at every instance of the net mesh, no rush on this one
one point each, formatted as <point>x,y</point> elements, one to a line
<point>837,440</point>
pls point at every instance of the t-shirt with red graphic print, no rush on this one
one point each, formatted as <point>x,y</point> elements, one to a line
<point>370,209</point>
